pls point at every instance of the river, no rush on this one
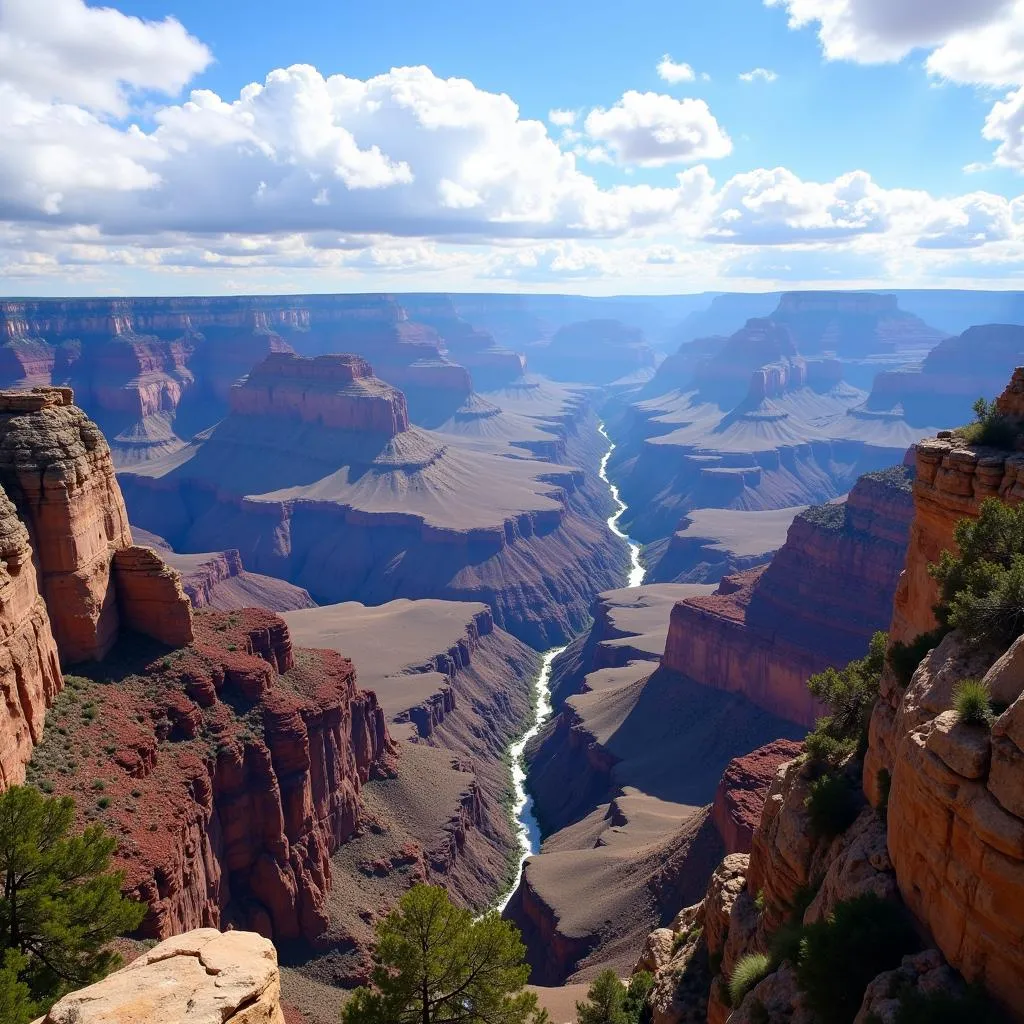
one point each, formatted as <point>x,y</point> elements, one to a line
<point>526,821</point>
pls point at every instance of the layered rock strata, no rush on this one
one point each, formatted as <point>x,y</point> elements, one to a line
<point>29,664</point>
<point>623,779</point>
<point>316,477</point>
<point>56,466</point>
<point>951,378</point>
<point>231,767</point>
<point>764,632</point>
<point>766,418</point>
<point>953,479</point>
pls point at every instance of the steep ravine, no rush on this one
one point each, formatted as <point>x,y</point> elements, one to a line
<point>529,826</point>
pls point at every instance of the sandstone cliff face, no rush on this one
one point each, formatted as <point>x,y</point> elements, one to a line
<point>29,665</point>
<point>203,975</point>
<point>956,816</point>
<point>56,467</point>
<point>234,773</point>
<point>952,481</point>
<point>829,587</point>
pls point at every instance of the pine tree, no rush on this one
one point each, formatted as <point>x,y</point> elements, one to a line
<point>60,905</point>
<point>435,964</point>
<point>606,1001</point>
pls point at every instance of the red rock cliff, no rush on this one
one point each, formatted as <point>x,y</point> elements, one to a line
<point>829,587</point>
<point>952,481</point>
<point>29,666</point>
<point>335,391</point>
<point>235,772</point>
<point>56,467</point>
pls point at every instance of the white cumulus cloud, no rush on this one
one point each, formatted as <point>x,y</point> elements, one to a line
<point>672,72</point>
<point>562,118</point>
<point>93,56</point>
<point>653,130</point>
<point>759,75</point>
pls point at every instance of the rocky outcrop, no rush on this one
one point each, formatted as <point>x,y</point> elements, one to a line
<point>150,597</point>
<point>829,587</point>
<point>231,766</point>
<point>741,794</point>
<point>955,814</point>
<point>29,665</point>
<point>952,481</point>
<point>203,975</point>
<point>473,347</point>
<point>56,467</point>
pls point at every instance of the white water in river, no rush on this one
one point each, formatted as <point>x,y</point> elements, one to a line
<point>526,821</point>
<point>636,569</point>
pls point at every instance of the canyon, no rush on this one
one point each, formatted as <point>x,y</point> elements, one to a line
<point>763,420</point>
<point>317,476</point>
<point>936,828</point>
<point>299,672</point>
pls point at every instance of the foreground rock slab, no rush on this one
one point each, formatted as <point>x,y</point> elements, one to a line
<point>201,977</point>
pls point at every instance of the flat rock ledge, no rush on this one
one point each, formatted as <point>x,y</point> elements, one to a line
<point>202,977</point>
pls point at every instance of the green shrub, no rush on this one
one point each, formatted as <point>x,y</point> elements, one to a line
<point>972,702</point>
<point>749,970</point>
<point>904,658</point>
<point>832,804</point>
<point>982,588</point>
<point>639,988</point>
<point>990,427</point>
<point>838,957</point>
<point>760,901</point>
<point>943,1008</point>
<point>850,695</point>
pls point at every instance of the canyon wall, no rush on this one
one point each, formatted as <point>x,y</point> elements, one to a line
<point>71,579</point>
<point>953,479</point>
<point>944,838</point>
<point>243,759</point>
<point>951,378</point>
<point>317,477</point>
<point>595,351</point>
<point>827,590</point>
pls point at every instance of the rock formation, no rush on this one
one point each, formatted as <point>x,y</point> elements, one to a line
<point>231,767</point>
<point>56,467</point>
<point>29,663</point>
<point>952,481</point>
<point>828,589</point>
<point>219,579</point>
<point>766,418</point>
<point>952,377</point>
<point>623,778</point>
<point>316,477</point>
<point>203,975</point>
<point>945,839</point>
<point>742,791</point>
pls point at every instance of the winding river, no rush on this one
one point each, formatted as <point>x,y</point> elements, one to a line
<point>526,821</point>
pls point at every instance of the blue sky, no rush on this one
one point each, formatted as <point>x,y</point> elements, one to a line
<point>885,146</point>
<point>820,118</point>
